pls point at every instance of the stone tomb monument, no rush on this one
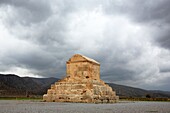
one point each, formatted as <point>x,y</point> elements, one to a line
<point>82,84</point>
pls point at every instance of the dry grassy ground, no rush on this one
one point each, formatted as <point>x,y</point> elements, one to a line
<point>27,106</point>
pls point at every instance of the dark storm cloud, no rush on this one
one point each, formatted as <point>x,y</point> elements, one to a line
<point>39,62</point>
<point>151,11</point>
<point>44,29</point>
<point>117,74</point>
<point>115,62</point>
<point>165,68</point>
<point>28,12</point>
<point>46,26</point>
<point>162,37</point>
<point>154,14</point>
<point>157,15</point>
<point>141,11</point>
<point>45,34</point>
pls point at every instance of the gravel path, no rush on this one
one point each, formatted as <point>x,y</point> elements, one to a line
<point>15,106</point>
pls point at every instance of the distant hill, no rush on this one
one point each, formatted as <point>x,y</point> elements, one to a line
<point>126,91</point>
<point>13,85</point>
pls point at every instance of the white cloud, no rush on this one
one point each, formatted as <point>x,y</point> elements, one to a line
<point>22,72</point>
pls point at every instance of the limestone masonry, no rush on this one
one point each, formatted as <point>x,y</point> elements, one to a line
<point>82,84</point>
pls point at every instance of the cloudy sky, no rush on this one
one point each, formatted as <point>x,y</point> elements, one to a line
<point>130,38</point>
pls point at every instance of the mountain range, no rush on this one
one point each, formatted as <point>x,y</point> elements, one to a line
<point>12,85</point>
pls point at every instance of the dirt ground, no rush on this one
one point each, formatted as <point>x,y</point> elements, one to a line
<point>27,106</point>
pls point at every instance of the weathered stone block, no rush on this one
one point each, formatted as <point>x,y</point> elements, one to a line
<point>81,84</point>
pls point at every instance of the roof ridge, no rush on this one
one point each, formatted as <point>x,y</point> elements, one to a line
<point>89,59</point>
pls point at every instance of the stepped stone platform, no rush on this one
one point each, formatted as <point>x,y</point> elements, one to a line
<point>82,84</point>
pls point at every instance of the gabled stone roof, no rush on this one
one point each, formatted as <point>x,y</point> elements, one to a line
<point>89,59</point>
<point>86,58</point>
